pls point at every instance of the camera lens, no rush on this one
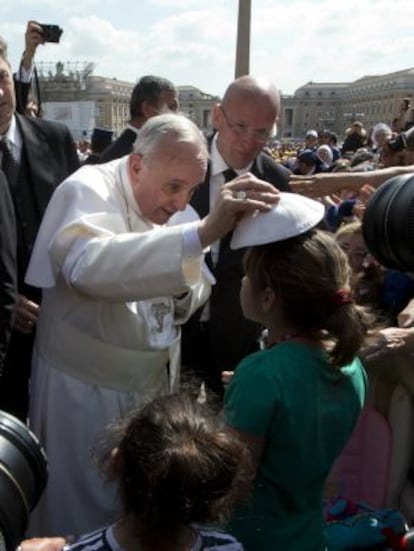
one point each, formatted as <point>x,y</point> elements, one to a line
<point>388,223</point>
<point>23,476</point>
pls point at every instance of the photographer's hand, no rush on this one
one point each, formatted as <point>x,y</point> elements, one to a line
<point>33,37</point>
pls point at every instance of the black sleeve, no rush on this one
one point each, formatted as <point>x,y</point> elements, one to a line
<point>22,90</point>
<point>7,266</point>
<point>267,169</point>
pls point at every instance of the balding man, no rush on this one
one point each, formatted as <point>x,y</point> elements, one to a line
<point>217,337</point>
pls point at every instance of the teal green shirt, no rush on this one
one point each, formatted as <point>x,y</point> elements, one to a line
<point>305,410</point>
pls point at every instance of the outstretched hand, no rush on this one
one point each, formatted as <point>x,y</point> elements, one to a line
<point>42,544</point>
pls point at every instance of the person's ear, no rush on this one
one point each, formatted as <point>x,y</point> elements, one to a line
<point>268,299</point>
<point>149,109</point>
<point>217,116</point>
<point>135,163</point>
<point>114,464</point>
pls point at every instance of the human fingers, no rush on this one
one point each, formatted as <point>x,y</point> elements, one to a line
<point>34,34</point>
<point>26,314</point>
<point>248,193</point>
<point>42,544</point>
<point>405,319</point>
<point>27,305</point>
<point>306,187</point>
<point>226,376</point>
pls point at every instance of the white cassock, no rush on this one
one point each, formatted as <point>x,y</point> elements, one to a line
<point>107,331</point>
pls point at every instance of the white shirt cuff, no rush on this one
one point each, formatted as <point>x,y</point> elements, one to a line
<point>191,241</point>
<point>24,75</point>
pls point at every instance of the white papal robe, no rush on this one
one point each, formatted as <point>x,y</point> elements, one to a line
<point>108,332</point>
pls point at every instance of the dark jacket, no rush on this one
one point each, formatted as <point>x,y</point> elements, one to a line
<point>231,336</point>
<point>120,147</point>
<point>8,267</point>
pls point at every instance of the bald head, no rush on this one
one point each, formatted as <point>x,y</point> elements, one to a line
<point>255,89</point>
<point>245,119</point>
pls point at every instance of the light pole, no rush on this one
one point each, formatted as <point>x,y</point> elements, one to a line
<point>243,39</point>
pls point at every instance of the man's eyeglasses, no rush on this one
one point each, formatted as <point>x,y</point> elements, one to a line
<point>242,130</point>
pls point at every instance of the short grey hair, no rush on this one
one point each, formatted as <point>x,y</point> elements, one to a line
<point>157,130</point>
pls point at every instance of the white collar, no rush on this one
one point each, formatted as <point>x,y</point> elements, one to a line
<point>133,128</point>
<point>13,134</point>
<point>219,165</point>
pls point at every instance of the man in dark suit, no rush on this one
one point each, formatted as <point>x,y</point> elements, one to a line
<point>151,96</point>
<point>36,156</point>
<point>217,337</point>
<point>8,267</point>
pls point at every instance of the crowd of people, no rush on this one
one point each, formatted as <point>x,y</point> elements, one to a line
<point>124,302</point>
<point>360,149</point>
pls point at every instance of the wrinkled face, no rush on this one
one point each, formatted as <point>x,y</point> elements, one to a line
<point>168,102</point>
<point>244,125</point>
<point>163,183</point>
<point>355,249</point>
<point>7,96</point>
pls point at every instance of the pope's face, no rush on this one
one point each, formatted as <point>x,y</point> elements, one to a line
<point>7,96</point>
<point>164,182</point>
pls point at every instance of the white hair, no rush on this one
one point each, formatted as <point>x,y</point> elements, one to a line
<point>382,128</point>
<point>154,133</point>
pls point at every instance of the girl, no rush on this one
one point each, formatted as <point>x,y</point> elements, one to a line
<point>176,468</point>
<point>296,402</point>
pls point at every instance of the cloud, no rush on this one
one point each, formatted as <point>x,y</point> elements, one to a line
<point>193,42</point>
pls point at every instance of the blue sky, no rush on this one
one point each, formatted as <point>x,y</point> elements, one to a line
<point>193,42</point>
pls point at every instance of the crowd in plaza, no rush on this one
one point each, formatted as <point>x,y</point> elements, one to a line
<point>215,375</point>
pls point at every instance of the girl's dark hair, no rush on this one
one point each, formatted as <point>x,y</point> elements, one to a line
<point>177,465</point>
<point>306,273</point>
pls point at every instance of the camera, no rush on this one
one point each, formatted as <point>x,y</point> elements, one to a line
<point>23,477</point>
<point>388,223</point>
<point>51,33</point>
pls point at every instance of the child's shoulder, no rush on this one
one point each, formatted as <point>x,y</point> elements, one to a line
<point>213,539</point>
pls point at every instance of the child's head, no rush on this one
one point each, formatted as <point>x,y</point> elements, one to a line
<point>351,240</point>
<point>305,282</point>
<point>176,465</point>
<point>367,273</point>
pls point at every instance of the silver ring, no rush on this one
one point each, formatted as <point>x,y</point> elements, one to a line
<point>240,194</point>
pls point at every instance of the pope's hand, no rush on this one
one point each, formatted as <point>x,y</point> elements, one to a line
<point>243,195</point>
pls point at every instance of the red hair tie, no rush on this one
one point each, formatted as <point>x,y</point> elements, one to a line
<point>342,296</point>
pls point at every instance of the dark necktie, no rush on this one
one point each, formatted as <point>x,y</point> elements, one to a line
<point>229,174</point>
<point>8,163</point>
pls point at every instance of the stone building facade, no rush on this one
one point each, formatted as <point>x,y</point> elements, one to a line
<point>73,94</point>
<point>370,99</point>
<point>83,101</point>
